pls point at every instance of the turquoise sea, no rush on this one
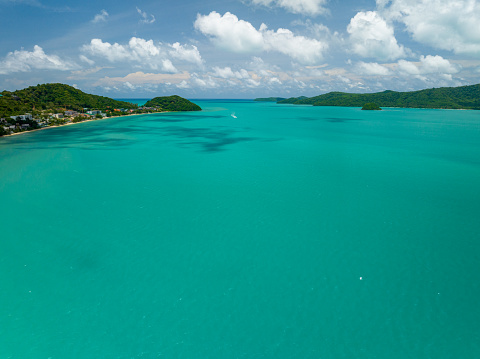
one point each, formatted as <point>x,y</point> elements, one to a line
<point>286,232</point>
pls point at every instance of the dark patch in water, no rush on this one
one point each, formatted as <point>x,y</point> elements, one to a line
<point>307,118</point>
<point>181,118</point>
<point>338,119</point>
<point>208,139</point>
<point>113,137</point>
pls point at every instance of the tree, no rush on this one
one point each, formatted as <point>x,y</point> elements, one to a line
<point>371,106</point>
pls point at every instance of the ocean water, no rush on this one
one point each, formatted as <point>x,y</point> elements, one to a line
<point>286,232</point>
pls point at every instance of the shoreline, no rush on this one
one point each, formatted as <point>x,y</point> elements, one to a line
<point>78,123</point>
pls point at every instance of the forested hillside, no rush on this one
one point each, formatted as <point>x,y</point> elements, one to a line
<point>172,103</point>
<point>464,97</point>
<point>54,97</point>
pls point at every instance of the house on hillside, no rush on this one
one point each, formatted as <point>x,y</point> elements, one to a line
<point>25,117</point>
<point>94,112</point>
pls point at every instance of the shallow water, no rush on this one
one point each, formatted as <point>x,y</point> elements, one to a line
<point>287,232</point>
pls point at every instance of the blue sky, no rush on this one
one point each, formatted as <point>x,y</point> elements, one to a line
<point>239,48</point>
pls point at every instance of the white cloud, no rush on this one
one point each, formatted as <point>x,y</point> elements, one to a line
<point>183,85</point>
<point>182,52</point>
<point>300,48</point>
<point>229,32</point>
<point>146,19</point>
<point>275,80</point>
<point>129,86</point>
<point>408,67</point>
<point>205,82</point>
<point>227,73</point>
<point>141,78</point>
<point>232,34</point>
<point>102,17</point>
<point>144,52</point>
<point>371,36</point>
<point>87,60</point>
<point>373,69</point>
<point>167,66</point>
<point>252,83</point>
<point>306,7</point>
<point>26,61</point>
<point>428,65</point>
<point>111,52</point>
<point>444,24</point>
<point>437,64</point>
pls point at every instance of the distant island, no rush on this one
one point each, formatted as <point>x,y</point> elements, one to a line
<point>57,104</point>
<point>371,107</point>
<point>463,97</point>
<point>270,99</point>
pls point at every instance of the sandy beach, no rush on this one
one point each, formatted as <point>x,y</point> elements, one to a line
<point>77,123</point>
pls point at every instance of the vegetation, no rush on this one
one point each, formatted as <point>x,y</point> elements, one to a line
<point>54,98</point>
<point>58,104</point>
<point>371,106</point>
<point>464,97</point>
<point>172,103</point>
<point>270,99</point>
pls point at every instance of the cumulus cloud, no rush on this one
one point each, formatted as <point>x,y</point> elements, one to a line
<point>26,61</point>
<point>373,69</point>
<point>305,7</point>
<point>186,53</point>
<point>146,19</point>
<point>167,66</point>
<point>102,17</point>
<point>204,81</point>
<point>141,78</point>
<point>371,36</point>
<point>408,67</point>
<point>227,73</point>
<point>183,85</point>
<point>444,24</point>
<point>232,34</point>
<point>428,65</point>
<point>144,52</point>
<point>300,48</point>
<point>275,80</point>
<point>229,32</point>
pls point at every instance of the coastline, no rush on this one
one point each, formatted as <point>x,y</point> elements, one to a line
<point>78,123</point>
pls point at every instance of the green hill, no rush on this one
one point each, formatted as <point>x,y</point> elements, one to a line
<point>464,97</point>
<point>172,103</point>
<point>54,97</point>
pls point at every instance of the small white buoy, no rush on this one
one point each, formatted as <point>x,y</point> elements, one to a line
<point>361,278</point>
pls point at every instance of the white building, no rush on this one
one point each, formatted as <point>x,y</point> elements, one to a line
<point>25,117</point>
<point>94,112</point>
